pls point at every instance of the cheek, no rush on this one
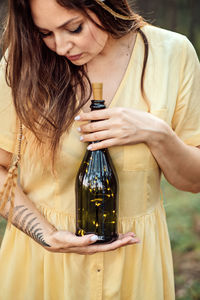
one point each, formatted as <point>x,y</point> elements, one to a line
<point>96,40</point>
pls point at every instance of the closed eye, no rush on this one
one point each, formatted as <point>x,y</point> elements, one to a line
<point>77,30</point>
<point>44,35</point>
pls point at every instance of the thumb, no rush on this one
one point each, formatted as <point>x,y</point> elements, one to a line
<point>83,240</point>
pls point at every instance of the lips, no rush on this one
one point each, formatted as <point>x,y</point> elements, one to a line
<point>74,57</point>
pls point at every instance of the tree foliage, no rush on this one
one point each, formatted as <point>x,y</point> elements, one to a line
<point>176,15</point>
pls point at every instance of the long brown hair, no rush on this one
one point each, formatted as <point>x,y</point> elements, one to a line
<point>44,85</point>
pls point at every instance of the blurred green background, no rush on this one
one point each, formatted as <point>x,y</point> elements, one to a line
<point>183,209</point>
<point>182,16</point>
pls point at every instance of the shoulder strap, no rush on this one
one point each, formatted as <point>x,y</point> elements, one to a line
<point>7,193</point>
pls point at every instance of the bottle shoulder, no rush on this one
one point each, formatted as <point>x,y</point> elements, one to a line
<point>97,172</point>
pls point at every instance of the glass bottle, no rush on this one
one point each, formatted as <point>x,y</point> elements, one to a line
<point>97,189</point>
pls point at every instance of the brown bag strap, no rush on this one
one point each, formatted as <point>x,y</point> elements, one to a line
<point>7,192</point>
<point>19,145</point>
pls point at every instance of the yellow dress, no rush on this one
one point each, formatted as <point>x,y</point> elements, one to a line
<point>138,272</point>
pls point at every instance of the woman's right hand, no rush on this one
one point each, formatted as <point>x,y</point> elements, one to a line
<point>66,242</point>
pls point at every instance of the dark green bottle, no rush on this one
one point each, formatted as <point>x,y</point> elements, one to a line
<point>97,190</point>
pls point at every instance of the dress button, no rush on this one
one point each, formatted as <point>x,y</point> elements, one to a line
<point>98,270</point>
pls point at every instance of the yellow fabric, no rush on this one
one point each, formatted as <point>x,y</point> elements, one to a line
<point>138,272</point>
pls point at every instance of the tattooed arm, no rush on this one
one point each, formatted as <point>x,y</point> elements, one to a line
<point>25,217</point>
<point>28,222</point>
<point>28,219</point>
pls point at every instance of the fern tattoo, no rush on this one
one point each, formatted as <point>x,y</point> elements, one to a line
<point>26,222</point>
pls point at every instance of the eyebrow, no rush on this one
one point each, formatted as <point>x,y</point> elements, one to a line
<point>62,25</point>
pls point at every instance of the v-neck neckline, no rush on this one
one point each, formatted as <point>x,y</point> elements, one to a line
<point>126,73</point>
<point>123,80</point>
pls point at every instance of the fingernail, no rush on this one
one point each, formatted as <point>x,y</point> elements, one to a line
<point>77,118</point>
<point>138,242</point>
<point>94,238</point>
<point>81,138</point>
<point>89,147</point>
<point>133,234</point>
<point>79,129</point>
<point>135,241</point>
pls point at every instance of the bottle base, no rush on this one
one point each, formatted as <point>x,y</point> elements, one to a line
<point>103,239</point>
<point>106,240</point>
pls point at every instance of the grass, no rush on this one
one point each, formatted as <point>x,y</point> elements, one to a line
<point>2,228</point>
<point>183,216</point>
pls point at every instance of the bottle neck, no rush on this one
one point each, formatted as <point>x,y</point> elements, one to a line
<point>97,105</point>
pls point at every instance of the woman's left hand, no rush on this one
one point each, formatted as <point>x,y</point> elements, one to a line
<point>118,126</point>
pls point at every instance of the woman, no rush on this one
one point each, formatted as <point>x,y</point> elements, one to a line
<point>55,49</point>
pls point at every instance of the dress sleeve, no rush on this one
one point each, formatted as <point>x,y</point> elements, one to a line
<point>186,118</point>
<point>8,128</point>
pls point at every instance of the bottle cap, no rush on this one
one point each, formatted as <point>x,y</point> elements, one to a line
<point>97,89</point>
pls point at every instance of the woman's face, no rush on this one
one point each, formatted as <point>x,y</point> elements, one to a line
<point>68,32</point>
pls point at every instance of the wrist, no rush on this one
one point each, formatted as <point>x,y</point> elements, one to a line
<point>160,135</point>
<point>50,235</point>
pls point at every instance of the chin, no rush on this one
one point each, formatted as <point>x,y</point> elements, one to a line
<point>83,61</point>
<point>77,63</point>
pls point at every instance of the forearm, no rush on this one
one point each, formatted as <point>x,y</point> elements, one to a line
<point>179,162</point>
<point>26,217</point>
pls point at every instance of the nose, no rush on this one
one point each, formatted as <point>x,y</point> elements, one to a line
<point>62,45</point>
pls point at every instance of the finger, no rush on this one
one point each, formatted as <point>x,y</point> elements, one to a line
<point>123,240</point>
<point>103,144</point>
<point>94,126</point>
<point>92,238</point>
<point>123,235</point>
<point>112,246</point>
<point>118,244</point>
<point>101,114</point>
<point>97,136</point>
<point>80,241</point>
